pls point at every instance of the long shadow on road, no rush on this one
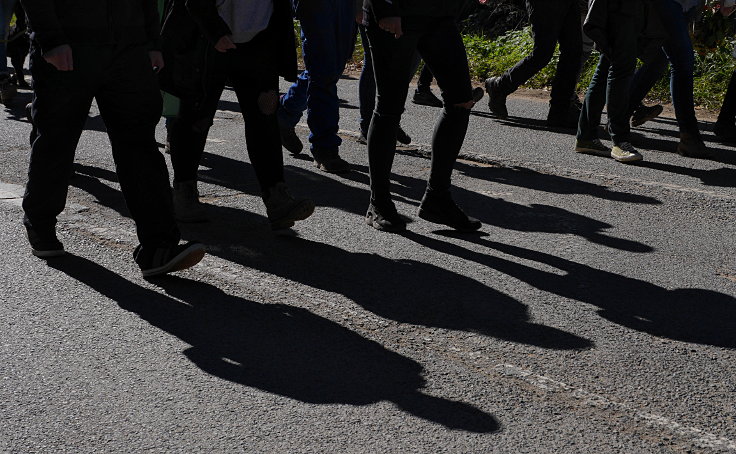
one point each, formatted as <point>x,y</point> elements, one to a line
<point>687,314</point>
<point>405,291</point>
<point>278,348</point>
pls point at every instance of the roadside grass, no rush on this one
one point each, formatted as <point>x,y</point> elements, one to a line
<point>489,58</point>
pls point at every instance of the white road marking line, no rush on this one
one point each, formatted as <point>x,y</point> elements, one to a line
<point>698,436</point>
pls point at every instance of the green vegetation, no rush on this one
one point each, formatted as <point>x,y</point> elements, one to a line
<point>492,57</point>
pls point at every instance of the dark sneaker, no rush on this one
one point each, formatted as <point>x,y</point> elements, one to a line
<point>402,137</point>
<point>283,209</point>
<point>290,140</point>
<point>441,209</point>
<point>386,219</point>
<point>162,260</point>
<point>44,244</point>
<point>594,146</point>
<point>477,94</point>
<point>8,88</point>
<point>496,98</point>
<point>425,97</point>
<point>187,207</point>
<point>725,132</point>
<point>692,146</point>
<point>643,114</point>
<point>332,165</point>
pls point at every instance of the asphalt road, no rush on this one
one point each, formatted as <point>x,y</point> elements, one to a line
<point>595,312</point>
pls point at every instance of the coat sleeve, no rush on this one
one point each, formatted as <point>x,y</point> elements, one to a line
<point>204,13</point>
<point>382,8</point>
<point>45,24</point>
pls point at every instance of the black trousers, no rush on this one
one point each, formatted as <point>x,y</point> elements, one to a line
<point>252,70</point>
<point>127,94</point>
<point>727,115</point>
<point>552,21</point>
<point>440,45</point>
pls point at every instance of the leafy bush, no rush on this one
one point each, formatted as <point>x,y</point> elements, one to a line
<point>492,57</point>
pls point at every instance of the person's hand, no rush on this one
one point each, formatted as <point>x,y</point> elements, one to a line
<point>157,60</point>
<point>391,25</point>
<point>727,10</point>
<point>225,43</point>
<point>60,57</point>
<point>484,2</point>
<point>360,17</point>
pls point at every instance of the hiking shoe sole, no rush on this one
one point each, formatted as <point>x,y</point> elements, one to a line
<point>594,151</point>
<point>391,228</point>
<point>472,225</point>
<point>301,211</point>
<point>187,258</point>
<point>48,253</point>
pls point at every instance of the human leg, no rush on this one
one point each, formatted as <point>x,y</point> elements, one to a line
<point>130,104</point>
<point>187,137</point>
<point>725,128</point>
<point>327,35</point>
<point>366,86</point>
<point>61,102</point>
<point>392,65</point>
<point>443,51</point>
<point>561,112</point>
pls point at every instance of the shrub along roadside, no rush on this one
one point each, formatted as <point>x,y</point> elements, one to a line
<point>492,57</point>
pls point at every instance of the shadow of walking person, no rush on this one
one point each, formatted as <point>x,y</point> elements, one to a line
<point>687,314</point>
<point>406,291</point>
<point>278,348</point>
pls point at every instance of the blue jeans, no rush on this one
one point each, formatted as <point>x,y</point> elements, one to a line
<point>679,51</point>
<point>328,37</point>
<point>6,12</point>
<point>612,79</point>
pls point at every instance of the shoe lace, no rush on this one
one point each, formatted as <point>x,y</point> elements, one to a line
<point>626,146</point>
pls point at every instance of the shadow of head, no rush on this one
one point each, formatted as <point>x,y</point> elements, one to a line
<point>277,348</point>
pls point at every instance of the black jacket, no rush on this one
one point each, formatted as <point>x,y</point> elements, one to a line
<point>600,23</point>
<point>122,22</point>
<point>378,9</point>
<point>188,36</point>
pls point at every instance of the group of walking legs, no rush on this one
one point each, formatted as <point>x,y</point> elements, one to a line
<point>205,45</point>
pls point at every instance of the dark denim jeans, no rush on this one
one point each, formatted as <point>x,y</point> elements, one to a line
<point>612,79</point>
<point>252,70</point>
<point>679,51</point>
<point>328,37</point>
<point>126,90</point>
<point>440,45</point>
<point>552,21</point>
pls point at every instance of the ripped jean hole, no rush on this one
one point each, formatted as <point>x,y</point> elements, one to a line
<point>268,102</point>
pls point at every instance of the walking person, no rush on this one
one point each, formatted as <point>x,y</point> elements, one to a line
<point>328,37</point>
<point>85,50</point>
<point>725,127</point>
<point>248,44</point>
<point>395,32</point>
<point>676,15</point>
<point>615,26</point>
<point>552,22</point>
<point>8,83</point>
